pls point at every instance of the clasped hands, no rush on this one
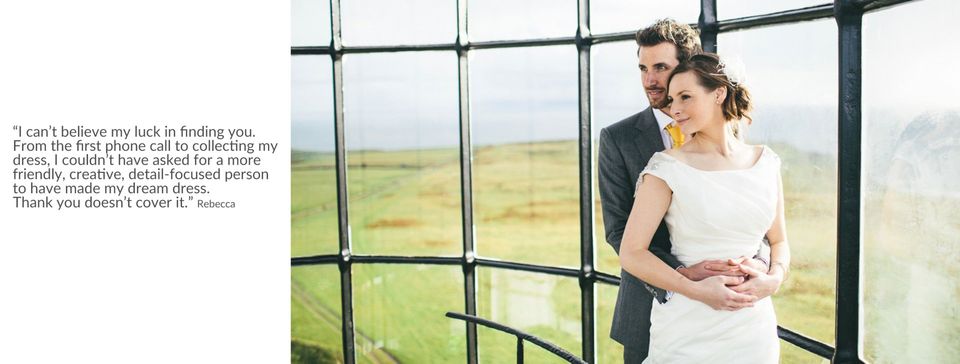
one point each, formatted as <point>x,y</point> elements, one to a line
<point>731,284</point>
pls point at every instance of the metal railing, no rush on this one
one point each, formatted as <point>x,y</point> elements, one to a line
<point>804,342</point>
<point>521,337</point>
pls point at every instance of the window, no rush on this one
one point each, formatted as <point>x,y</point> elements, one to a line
<point>402,158</point>
<point>524,118</point>
<point>399,312</point>
<point>505,19</point>
<point>315,314</point>
<point>310,23</point>
<point>613,16</point>
<point>911,166</point>
<point>543,305</point>
<point>404,254</point>
<point>313,180</point>
<point>728,9</point>
<point>378,23</point>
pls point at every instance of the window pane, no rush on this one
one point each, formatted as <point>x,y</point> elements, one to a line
<point>729,9</point>
<point>608,350</point>
<point>315,318</point>
<point>402,131</point>
<point>790,354</point>
<point>792,78</point>
<point>310,22</point>
<point>525,180</point>
<point>546,306</point>
<point>505,19</point>
<point>373,22</point>
<point>313,177</point>
<point>911,165</point>
<point>400,313</point>
<point>613,16</point>
<point>617,94</point>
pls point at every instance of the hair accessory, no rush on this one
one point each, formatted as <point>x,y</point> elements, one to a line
<point>733,68</point>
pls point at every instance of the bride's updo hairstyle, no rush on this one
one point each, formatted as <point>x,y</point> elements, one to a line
<point>712,74</point>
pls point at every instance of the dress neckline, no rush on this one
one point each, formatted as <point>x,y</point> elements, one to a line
<point>763,152</point>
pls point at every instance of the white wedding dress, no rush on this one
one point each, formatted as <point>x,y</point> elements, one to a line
<point>715,215</point>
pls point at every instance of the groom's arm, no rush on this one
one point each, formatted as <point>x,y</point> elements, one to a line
<point>616,197</point>
<point>731,267</point>
<point>616,190</point>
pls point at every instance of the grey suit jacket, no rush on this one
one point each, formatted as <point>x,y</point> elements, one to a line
<point>625,148</point>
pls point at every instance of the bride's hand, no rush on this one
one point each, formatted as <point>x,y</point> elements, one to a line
<point>714,292</point>
<point>759,284</point>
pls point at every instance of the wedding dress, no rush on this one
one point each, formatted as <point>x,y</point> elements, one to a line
<point>715,215</point>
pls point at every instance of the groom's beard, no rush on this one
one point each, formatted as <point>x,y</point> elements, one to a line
<point>656,100</point>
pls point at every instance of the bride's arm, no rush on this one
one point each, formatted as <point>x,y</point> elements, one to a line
<point>652,200</point>
<point>779,247</point>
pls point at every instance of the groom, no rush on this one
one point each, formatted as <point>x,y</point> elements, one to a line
<point>625,147</point>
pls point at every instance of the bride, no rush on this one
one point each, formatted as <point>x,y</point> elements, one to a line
<point>719,197</point>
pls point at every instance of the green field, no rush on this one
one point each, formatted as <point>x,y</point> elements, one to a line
<point>526,204</point>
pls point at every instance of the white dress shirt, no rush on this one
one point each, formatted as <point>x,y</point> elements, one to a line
<point>663,120</point>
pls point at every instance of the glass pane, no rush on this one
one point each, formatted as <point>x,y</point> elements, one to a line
<point>790,354</point>
<point>617,94</point>
<point>546,306</point>
<point>315,319</point>
<point>911,165</point>
<point>608,350</point>
<point>313,175</point>
<point>541,355</point>
<point>373,22</point>
<point>729,9</point>
<point>526,179</point>
<point>310,22</point>
<point>505,19</point>
<point>402,130</point>
<point>794,90</point>
<point>400,311</point>
<point>613,16</point>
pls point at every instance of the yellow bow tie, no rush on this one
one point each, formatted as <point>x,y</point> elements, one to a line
<point>675,134</point>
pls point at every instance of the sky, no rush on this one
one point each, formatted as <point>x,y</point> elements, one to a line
<point>409,100</point>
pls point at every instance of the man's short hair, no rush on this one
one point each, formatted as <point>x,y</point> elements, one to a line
<point>684,37</point>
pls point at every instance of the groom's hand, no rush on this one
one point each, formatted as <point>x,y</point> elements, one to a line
<point>759,284</point>
<point>710,268</point>
<point>750,262</point>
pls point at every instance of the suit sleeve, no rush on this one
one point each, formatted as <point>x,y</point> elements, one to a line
<point>616,190</point>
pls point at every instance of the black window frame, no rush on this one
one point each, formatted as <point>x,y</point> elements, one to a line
<point>848,15</point>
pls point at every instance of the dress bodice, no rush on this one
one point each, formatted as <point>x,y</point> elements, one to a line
<point>718,214</point>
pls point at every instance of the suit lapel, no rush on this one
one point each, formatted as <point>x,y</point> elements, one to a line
<point>649,140</point>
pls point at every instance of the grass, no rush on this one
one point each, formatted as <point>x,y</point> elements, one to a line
<point>526,209</point>
<point>315,309</point>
